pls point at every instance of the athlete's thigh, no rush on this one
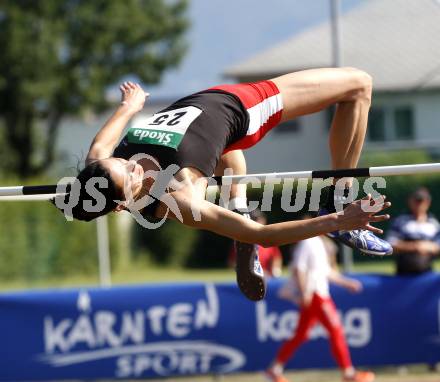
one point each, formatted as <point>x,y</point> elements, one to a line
<point>309,91</point>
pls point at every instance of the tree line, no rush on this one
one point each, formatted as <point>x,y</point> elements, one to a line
<point>59,58</point>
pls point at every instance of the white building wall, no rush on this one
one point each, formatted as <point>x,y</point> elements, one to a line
<point>426,108</point>
<point>428,116</point>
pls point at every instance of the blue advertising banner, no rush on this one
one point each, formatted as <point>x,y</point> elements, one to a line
<point>181,329</point>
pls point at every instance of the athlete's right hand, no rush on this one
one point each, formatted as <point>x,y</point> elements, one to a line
<point>132,96</point>
<point>360,213</point>
<point>354,286</point>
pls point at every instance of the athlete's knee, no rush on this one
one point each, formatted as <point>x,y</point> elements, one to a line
<point>361,84</point>
<point>365,85</point>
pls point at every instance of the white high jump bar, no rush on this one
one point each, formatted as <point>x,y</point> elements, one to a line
<point>22,193</point>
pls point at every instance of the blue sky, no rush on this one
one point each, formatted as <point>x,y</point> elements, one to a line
<point>225,32</point>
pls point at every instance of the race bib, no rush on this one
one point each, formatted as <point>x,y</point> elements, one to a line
<point>164,129</point>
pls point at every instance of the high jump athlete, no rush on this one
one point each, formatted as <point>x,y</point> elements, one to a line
<point>205,133</point>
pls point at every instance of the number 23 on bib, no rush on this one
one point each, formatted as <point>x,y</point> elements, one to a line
<point>163,129</point>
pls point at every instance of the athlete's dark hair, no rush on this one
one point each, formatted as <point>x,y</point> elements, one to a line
<point>94,169</point>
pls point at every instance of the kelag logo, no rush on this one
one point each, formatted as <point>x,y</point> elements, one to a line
<point>276,326</point>
<point>130,339</point>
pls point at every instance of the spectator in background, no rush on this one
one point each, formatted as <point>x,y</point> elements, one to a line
<point>308,287</point>
<point>414,236</point>
<point>271,259</point>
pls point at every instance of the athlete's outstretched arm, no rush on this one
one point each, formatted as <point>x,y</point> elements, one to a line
<point>133,99</point>
<point>227,223</point>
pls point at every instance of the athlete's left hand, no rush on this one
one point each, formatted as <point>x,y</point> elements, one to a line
<point>361,213</point>
<point>132,96</point>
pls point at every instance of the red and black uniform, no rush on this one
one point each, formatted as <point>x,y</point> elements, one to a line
<point>233,117</point>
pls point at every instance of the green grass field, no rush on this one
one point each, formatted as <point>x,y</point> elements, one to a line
<point>417,373</point>
<point>136,273</point>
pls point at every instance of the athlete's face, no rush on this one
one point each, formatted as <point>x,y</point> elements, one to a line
<point>126,175</point>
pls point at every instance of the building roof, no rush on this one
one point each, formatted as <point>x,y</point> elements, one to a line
<point>396,41</point>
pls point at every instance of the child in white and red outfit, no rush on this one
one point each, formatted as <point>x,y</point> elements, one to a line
<point>309,288</point>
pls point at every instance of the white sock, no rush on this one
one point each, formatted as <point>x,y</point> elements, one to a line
<point>349,372</point>
<point>239,204</point>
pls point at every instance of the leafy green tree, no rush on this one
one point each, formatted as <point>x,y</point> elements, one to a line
<point>59,57</point>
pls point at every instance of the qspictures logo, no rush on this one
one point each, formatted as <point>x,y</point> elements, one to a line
<point>165,183</point>
<point>131,339</point>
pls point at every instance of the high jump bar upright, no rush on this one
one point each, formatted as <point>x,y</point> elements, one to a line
<point>49,191</point>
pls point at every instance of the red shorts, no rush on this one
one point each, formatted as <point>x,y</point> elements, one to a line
<point>264,104</point>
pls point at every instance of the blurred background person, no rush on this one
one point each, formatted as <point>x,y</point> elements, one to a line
<point>308,287</point>
<point>415,236</point>
<point>271,259</point>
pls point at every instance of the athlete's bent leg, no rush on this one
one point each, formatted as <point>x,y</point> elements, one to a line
<point>306,320</point>
<point>350,89</point>
<point>329,318</point>
<point>308,317</point>
<point>310,91</point>
<point>250,278</point>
